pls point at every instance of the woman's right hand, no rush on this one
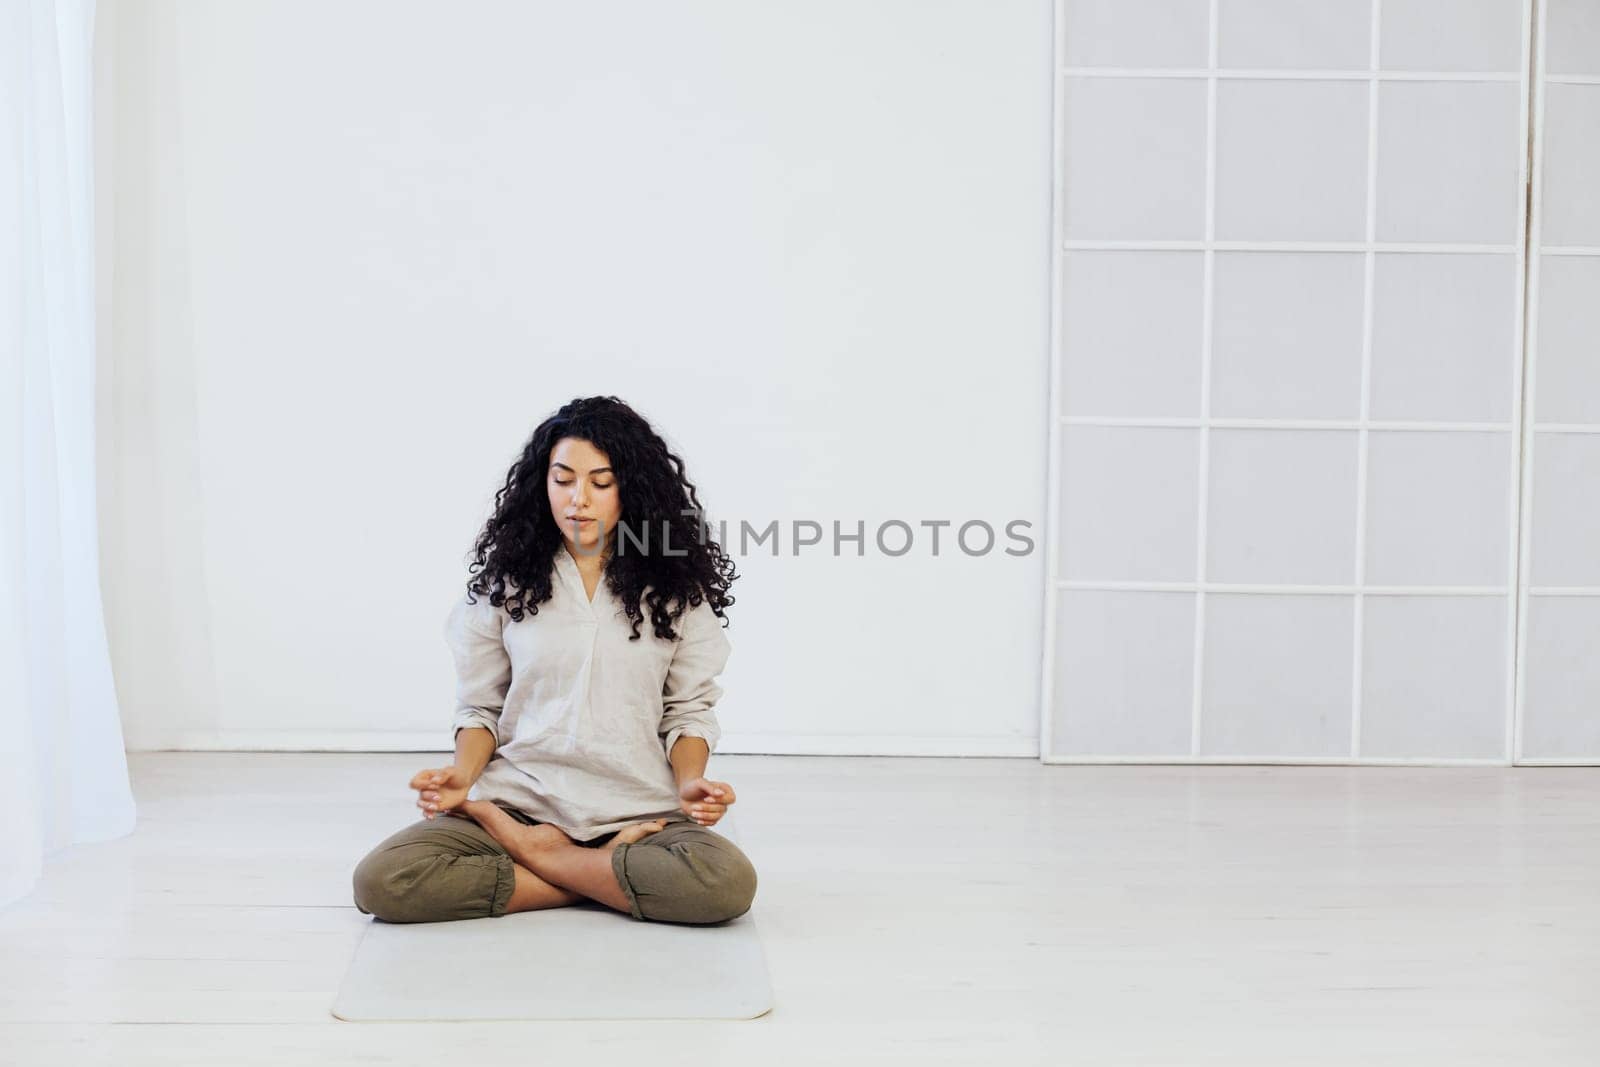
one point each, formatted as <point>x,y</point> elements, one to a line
<point>441,789</point>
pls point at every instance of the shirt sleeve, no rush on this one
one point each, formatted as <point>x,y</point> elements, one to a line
<point>483,668</point>
<point>691,691</point>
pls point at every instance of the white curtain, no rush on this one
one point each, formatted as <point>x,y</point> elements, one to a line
<point>63,772</point>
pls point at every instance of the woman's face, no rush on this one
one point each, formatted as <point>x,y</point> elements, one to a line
<point>582,486</point>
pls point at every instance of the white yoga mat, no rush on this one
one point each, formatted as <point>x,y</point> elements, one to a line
<point>584,961</point>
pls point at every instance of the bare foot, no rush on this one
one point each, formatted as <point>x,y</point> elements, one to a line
<point>519,839</point>
<point>524,841</point>
<point>629,834</point>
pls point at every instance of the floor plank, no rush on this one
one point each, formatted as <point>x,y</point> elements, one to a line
<point>913,910</point>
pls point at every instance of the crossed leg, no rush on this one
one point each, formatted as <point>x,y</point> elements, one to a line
<point>458,868</point>
<point>552,859</point>
<point>529,892</point>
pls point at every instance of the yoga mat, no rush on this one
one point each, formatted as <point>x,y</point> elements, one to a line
<point>583,961</point>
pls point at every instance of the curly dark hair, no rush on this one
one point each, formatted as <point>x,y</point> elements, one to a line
<point>518,544</point>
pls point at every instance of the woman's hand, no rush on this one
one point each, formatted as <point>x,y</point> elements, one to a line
<point>441,789</point>
<point>705,801</point>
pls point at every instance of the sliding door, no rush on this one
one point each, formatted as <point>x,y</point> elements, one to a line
<point>1286,381</point>
<point>1559,639</point>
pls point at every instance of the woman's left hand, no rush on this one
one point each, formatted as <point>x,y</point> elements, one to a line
<point>704,800</point>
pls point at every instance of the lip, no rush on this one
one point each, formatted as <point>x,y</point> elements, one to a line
<point>571,518</point>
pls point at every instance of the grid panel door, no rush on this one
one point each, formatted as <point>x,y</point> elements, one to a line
<point>1286,381</point>
<point>1559,671</point>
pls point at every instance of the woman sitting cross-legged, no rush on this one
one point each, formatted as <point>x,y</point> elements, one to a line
<point>586,693</point>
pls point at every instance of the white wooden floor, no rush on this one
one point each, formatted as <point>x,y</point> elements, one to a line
<point>913,910</point>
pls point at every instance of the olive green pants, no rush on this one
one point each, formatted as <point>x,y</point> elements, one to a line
<point>451,868</point>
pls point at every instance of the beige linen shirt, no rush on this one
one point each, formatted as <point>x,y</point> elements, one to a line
<point>584,719</point>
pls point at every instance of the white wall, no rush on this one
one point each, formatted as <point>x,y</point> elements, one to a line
<point>360,249</point>
<point>1288,394</point>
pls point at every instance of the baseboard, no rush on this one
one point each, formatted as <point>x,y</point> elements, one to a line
<point>776,744</point>
<point>747,744</point>
<point>1273,761</point>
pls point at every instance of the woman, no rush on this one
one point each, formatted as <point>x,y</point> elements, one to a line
<point>586,692</point>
